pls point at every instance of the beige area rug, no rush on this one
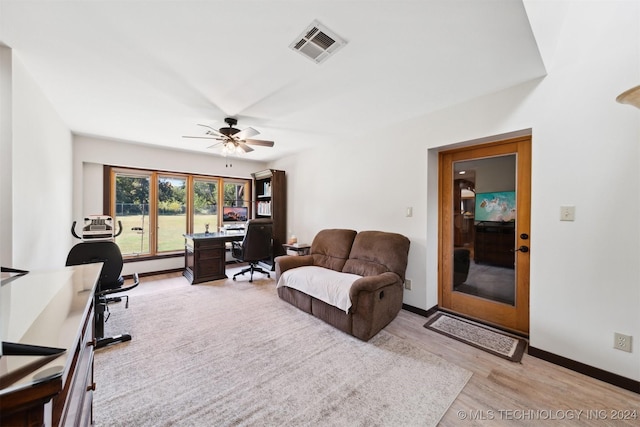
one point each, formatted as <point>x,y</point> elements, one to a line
<point>230,353</point>
<point>479,336</point>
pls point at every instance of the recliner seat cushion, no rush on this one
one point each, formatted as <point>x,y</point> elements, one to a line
<point>325,284</point>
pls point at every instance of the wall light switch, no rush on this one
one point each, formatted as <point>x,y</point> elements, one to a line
<point>409,212</point>
<point>567,213</point>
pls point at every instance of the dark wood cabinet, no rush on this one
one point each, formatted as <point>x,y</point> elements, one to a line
<point>494,244</point>
<point>270,201</point>
<point>205,256</point>
<point>74,405</point>
<point>54,389</point>
<point>463,208</point>
<point>205,259</point>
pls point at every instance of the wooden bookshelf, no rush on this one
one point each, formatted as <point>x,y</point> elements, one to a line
<point>270,201</point>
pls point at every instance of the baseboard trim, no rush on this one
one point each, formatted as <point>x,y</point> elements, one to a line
<point>420,311</point>
<point>590,371</point>
<point>593,372</point>
<point>154,273</point>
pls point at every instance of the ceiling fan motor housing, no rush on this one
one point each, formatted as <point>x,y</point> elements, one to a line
<point>228,131</point>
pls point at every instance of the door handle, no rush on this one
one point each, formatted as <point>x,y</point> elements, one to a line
<point>522,248</point>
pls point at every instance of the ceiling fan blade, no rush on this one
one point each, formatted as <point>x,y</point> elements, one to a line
<point>245,147</point>
<point>201,137</point>
<point>260,142</point>
<point>246,133</point>
<point>212,130</point>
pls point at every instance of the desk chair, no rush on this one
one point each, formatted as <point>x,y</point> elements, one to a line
<point>257,245</point>
<point>110,282</point>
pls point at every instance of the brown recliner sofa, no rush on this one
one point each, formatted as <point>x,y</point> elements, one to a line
<point>376,297</point>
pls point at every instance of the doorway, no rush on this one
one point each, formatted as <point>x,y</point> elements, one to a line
<point>484,228</point>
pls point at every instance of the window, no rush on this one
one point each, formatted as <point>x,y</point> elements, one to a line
<point>172,213</point>
<point>157,208</point>
<point>234,194</point>
<point>205,205</point>
<point>131,208</point>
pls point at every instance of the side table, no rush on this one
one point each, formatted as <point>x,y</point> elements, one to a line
<point>297,249</point>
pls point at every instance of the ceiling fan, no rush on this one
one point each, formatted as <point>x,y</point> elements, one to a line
<point>233,140</point>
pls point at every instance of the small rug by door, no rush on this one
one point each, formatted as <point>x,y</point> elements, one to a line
<point>479,336</point>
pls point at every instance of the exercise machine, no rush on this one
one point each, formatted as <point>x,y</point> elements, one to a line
<point>98,245</point>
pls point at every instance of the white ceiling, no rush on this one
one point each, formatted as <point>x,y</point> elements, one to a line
<point>150,71</point>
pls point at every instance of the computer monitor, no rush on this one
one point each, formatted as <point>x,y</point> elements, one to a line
<point>235,214</point>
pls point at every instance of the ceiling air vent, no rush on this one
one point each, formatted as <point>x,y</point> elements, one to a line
<point>317,42</point>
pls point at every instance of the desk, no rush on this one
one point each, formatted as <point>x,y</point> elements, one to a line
<point>205,255</point>
<point>52,309</point>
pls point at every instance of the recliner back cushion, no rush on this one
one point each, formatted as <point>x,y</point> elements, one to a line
<point>375,252</point>
<point>331,247</point>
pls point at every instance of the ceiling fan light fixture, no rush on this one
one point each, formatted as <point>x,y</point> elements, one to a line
<point>228,148</point>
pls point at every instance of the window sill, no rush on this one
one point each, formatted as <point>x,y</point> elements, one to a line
<point>134,258</point>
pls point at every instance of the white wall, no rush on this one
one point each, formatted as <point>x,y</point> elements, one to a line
<point>495,174</point>
<point>586,153</point>
<point>91,154</point>
<point>41,163</point>
<point>6,156</point>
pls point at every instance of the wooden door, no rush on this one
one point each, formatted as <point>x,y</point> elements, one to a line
<point>485,232</point>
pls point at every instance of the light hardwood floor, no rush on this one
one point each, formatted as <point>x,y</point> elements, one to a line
<point>534,392</point>
<point>500,392</point>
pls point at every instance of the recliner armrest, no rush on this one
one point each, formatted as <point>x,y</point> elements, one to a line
<point>372,284</point>
<point>287,262</point>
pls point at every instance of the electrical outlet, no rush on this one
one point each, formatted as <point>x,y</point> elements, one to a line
<point>622,342</point>
<point>407,284</point>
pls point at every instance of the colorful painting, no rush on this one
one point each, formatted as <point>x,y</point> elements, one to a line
<point>498,206</point>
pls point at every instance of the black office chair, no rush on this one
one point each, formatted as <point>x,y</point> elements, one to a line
<point>110,282</point>
<point>257,245</point>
